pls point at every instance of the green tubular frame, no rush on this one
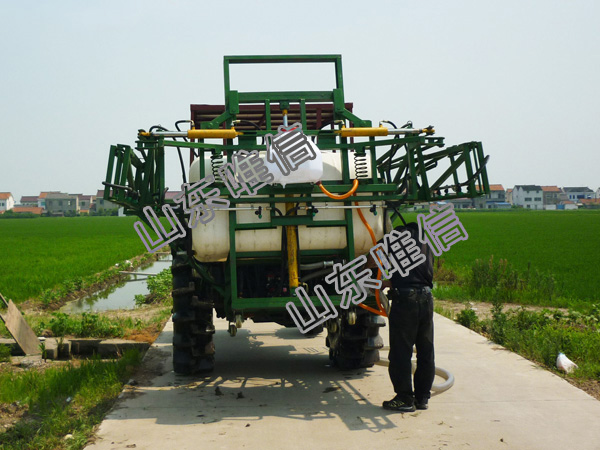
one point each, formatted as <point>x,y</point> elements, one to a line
<point>136,182</point>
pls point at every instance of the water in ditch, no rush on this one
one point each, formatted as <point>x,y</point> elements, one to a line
<point>118,296</point>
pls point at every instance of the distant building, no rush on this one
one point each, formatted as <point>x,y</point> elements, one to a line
<point>462,203</point>
<point>29,200</point>
<point>590,203</point>
<point>509,193</point>
<point>551,196</point>
<point>7,201</point>
<point>496,198</point>
<point>529,196</point>
<point>85,202</point>
<point>104,205</point>
<point>566,204</point>
<point>28,209</point>
<point>577,193</point>
<point>42,198</point>
<point>59,204</point>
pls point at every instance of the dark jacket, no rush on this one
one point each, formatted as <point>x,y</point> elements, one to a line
<point>422,275</point>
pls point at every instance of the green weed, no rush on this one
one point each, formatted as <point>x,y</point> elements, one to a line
<point>468,318</point>
<point>540,336</point>
<point>498,280</point>
<point>64,400</point>
<point>160,287</point>
<point>4,353</point>
<point>87,325</point>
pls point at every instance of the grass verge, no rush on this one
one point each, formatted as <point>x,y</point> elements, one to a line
<point>59,406</point>
<point>540,335</point>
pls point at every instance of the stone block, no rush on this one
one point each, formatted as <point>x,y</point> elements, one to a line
<point>84,346</point>
<point>114,347</point>
<point>50,349</point>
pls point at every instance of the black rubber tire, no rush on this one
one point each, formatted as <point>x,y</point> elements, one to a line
<point>314,332</point>
<point>193,329</point>
<point>355,346</point>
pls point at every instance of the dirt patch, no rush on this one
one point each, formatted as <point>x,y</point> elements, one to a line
<point>484,309</point>
<point>143,313</point>
<point>10,414</point>
<point>146,335</point>
<point>591,387</point>
<point>154,365</point>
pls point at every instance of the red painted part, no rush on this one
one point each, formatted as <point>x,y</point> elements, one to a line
<point>317,114</point>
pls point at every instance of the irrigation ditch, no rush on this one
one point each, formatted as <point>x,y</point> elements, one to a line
<point>107,305</point>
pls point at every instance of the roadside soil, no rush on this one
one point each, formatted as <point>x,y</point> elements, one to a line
<point>11,414</point>
<point>484,311</point>
<point>146,313</point>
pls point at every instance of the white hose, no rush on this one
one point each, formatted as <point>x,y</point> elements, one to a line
<point>446,375</point>
<point>439,371</point>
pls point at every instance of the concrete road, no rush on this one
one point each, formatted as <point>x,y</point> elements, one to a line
<point>277,391</point>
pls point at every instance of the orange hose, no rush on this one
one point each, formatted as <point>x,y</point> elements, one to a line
<point>342,196</point>
<point>381,311</point>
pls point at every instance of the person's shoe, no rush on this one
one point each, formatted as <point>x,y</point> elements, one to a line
<point>398,405</point>
<point>421,404</point>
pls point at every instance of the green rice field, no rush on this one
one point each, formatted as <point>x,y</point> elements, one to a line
<point>564,244</point>
<point>38,254</point>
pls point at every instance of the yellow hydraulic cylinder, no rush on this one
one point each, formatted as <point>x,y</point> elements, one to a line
<point>218,133</point>
<point>382,131</point>
<point>363,131</point>
<point>291,232</point>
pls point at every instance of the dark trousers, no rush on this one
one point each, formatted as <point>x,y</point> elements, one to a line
<point>411,323</point>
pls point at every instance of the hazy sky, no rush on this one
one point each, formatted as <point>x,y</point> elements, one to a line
<point>523,77</point>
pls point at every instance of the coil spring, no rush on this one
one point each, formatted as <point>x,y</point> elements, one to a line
<point>360,165</point>
<point>217,161</point>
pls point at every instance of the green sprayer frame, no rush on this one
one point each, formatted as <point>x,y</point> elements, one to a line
<point>399,175</point>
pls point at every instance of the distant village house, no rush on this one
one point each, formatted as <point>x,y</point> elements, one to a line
<point>59,204</point>
<point>104,205</point>
<point>7,202</point>
<point>530,196</point>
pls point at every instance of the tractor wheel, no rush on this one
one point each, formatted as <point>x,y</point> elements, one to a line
<point>355,346</point>
<point>193,348</point>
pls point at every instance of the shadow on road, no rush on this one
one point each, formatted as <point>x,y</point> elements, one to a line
<point>258,376</point>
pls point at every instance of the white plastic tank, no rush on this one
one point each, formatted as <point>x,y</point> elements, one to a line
<point>211,240</point>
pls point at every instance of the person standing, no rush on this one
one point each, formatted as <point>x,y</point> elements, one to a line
<point>411,324</point>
